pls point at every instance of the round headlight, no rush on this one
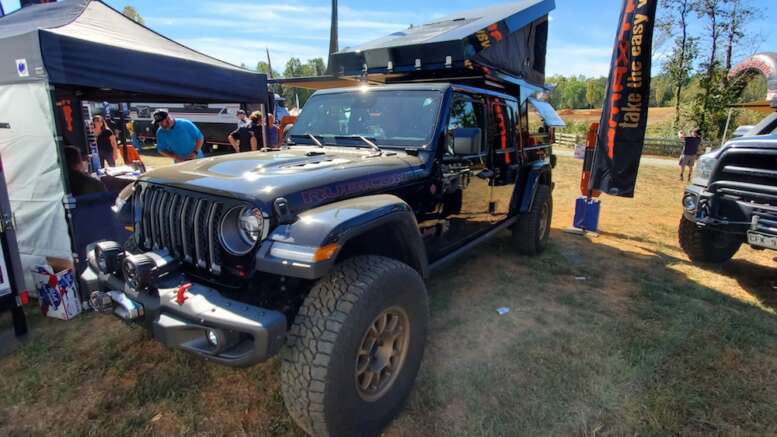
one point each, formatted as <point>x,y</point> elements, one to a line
<point>241,228</point>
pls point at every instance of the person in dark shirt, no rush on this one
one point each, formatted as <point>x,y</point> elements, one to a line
<point>106,142</point>
<point>690,150</point>
<point>257,137</point>
<point>240,139</point>
<point>80,182</point>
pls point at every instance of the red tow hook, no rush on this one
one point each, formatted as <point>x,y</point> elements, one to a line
<point>180,297</point>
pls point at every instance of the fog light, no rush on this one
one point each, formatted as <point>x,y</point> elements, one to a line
<point>108,255</point>
<point>139,271</point>
<point>690,202</point>
<point>214,338</point>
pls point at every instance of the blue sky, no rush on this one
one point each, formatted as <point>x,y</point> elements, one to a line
<point>580,41</point>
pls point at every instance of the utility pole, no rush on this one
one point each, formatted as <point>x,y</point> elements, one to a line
<point>333,43</point>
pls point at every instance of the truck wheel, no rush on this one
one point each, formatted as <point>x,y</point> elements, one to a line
<point>703,245</point>
<point>531,232</point>
<point>355,347</point>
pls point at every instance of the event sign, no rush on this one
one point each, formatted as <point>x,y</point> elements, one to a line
<point>624,116</point>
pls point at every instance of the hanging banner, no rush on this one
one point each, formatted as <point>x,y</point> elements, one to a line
<point>624,115</point>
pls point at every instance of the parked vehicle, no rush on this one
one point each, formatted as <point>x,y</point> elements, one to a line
<point>732,198</point>
<point>319,251</point>
<point>324,246</point>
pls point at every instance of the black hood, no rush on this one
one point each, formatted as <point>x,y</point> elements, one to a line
<point>300,174</point>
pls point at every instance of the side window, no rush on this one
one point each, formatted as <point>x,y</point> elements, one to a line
<point>466,112</point>
<point>463,113</point>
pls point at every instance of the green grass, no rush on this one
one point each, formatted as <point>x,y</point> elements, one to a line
<point>616,335</point>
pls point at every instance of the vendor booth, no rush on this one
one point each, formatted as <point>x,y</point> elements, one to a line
<point>54,56</point>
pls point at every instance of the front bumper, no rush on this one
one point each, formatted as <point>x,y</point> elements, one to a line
<point>244,334</point>
<point>727,213</point>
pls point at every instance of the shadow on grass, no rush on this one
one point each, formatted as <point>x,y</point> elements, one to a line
<point>634,348</point>
<point>597,341</point>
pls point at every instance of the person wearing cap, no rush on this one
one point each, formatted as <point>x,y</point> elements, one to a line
<point>177,138</point>
<point>242,119</point>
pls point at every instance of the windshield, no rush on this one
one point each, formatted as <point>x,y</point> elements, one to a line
<point>388,118</point>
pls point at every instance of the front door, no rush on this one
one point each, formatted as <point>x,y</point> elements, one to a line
<point>468,208</point>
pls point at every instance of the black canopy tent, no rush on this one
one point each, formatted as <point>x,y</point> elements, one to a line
<point>53,56</point>
<point>87,45</point>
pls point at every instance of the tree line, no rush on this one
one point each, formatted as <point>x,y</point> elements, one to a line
<point>706,37</point>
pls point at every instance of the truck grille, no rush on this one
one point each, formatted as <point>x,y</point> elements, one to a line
<point>185,224</point>
<point>748,174</point>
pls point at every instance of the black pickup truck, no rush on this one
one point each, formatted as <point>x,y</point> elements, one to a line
<point>319,251</point>
<point>732,198</point>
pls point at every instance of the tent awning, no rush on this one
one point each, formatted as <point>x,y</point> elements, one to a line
<point>90,46</point>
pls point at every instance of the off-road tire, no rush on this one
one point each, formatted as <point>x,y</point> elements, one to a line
<point>319,361</point>
<point>530,235</point>
<point>704,245</point>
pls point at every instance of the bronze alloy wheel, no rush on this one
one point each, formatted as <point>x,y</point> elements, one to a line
<point>382,353</point>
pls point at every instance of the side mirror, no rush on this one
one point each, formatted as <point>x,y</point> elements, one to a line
<point>466,141</point>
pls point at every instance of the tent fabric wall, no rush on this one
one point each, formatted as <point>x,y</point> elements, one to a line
<point>30,161</point>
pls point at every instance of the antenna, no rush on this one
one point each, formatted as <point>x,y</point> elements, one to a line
<point>269,64</point>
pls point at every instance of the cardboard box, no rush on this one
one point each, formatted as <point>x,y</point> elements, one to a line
<point>58,296</point>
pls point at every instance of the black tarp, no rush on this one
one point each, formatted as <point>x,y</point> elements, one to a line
<point>511,38</point>
<point>88,45</point>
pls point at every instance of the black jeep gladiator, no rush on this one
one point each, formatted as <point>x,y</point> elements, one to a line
<point>732,198</point>
<point>319,251</point>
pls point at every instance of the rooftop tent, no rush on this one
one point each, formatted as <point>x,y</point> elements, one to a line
<point>511,38</point>
<point>88,45</point>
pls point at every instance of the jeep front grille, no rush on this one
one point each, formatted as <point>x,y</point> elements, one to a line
<point>185,224</point>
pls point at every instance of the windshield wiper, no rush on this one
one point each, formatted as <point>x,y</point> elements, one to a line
<point>306,135</point>
<point>315,140</point>
<point>366,141</point>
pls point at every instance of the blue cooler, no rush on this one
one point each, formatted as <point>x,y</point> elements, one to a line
<point>586,214</point>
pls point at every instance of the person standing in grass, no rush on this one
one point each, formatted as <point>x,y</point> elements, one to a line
<point>690,150</point>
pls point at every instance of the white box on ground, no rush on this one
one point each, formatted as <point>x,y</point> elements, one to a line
<point>58,295</point>
<point>579,151</point>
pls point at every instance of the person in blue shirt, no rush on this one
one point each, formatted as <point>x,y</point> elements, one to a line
<point>178,139</point>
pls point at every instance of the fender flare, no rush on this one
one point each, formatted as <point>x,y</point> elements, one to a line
<point>339,223</point>
<point>539,173</point>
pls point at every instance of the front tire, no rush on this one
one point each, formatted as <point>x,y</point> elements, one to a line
<point>532,231</point>
<point>703,245</point>
<point>355,347</point>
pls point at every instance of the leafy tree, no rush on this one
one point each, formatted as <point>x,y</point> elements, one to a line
<point>132,13</point>
<point>317,66</point>
<point>710,11</point>
<point>737,15</point>
<point>685,49</point>
<point>594,92</point>
<point>263,67</point>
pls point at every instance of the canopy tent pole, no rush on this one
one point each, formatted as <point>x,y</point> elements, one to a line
<point>725,131</point>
